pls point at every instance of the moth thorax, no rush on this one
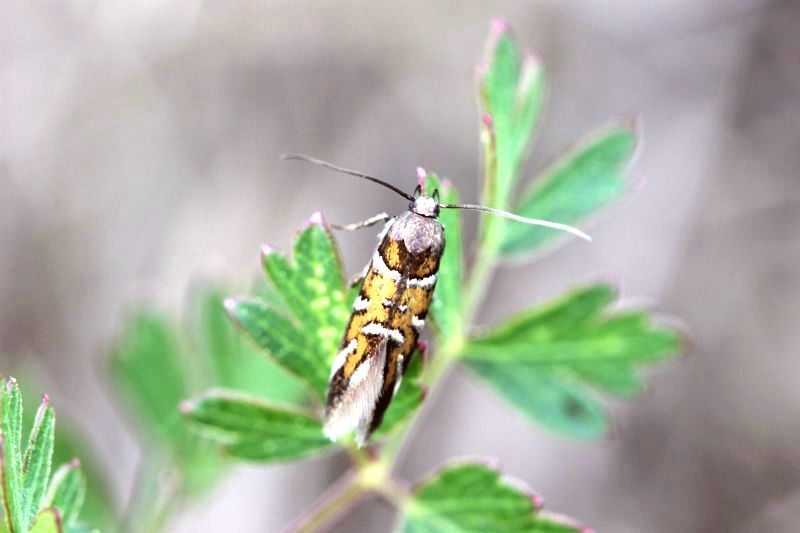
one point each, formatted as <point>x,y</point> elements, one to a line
<point>425,206</point>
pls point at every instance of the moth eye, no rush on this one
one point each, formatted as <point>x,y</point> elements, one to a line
<point>418,190</point>
<point>436,195</point>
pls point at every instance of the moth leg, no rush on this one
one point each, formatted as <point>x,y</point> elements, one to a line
<point>371,221</point>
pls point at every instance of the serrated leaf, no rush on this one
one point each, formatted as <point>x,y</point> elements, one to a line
<point>38,456</point>
<point>579,184</point>
<point>447,306</point>
<point>510,91</point>
<point>13,488</point>
<point>97,508</point>
<point>313,290</point>
<point>546,361</point>
<point>67,491</point>
<point>282,340</point>
<point>235,363</point>
<point>313,287</point>
<point>475,498</point>
<point>253,430</point>
<point>147,371</point>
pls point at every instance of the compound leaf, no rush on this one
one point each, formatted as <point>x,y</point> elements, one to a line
<point>253,430</point>
<point>475,498</point>
<point>580,183</point>
<point>551,361</point>
<point>446,306</point>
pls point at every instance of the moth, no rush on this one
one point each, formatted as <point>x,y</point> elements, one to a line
<point>390,310</point>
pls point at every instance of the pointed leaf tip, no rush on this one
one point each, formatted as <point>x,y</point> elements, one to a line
<point>266,249</point>
<point>499,25</point>
<point>10,383</point>
<point>315,218</point>
<point>230,305</point>
<point>487,120</point>
<point>473,497</point>
<point>421,175</point>
<point>186,407</point>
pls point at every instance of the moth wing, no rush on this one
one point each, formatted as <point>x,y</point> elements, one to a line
<point>352,401</point>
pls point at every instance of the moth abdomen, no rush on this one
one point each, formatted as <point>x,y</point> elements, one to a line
<point>387,319</point>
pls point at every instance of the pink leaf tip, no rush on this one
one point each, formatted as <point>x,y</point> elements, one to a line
<point>45,399</point>
<point>266,249</point>
<point>316,218</point>
<point>10,384</point>
<point>186,407</point>
<point>537,501</point>
<point>487,120</point>
<point>499,25</point>
<point>75,463</point>
<point>229,304</point>
<point>493,463</point>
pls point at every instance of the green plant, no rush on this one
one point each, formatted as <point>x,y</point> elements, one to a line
<point>33,500</point>
<point>552,362</point>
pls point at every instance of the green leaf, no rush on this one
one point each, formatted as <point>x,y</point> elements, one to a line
<point>147,372</point>
<point>234,362</point>
<point>551,361</point>
<point>48,521</point>
<point>38,456</point>
<point>556,402</point>
<point>576,186</point>
<point>313,286</point>
<point>313,289</point>
<point>13,488</point>
<point>151,376</point>
<point>282,340</point>
<point>257,431</point>
<point>475,498</point>
<point>67,491</point>
<point>447,304</point>
<point>510,91</point>
<point>97,508</point>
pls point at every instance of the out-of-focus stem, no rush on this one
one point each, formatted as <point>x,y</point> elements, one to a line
<point>335,502</point>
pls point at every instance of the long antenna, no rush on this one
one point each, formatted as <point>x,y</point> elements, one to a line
<point>321,163</point>
<point>524,220</point>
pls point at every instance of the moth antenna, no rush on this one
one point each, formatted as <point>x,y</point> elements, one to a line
<point>524,220</point>
<point>321,163</point>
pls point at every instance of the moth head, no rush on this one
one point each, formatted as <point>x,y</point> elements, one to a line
<point>427,206</point>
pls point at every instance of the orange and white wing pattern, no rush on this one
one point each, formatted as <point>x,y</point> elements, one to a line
<point>388,316</point>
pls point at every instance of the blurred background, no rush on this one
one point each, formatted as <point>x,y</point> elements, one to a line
<point>139,148</point>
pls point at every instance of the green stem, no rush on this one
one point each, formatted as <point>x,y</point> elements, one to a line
<point>370,476</point>
<point>374,474</point>
<point>340,497</point>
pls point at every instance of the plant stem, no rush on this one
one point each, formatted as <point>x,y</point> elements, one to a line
<point>374,474</point>
<point>371,476</point>
<point>338,499</point>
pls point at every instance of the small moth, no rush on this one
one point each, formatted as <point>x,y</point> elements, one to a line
<point>389,312</point>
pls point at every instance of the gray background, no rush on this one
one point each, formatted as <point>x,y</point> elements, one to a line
<point>138,150</point>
